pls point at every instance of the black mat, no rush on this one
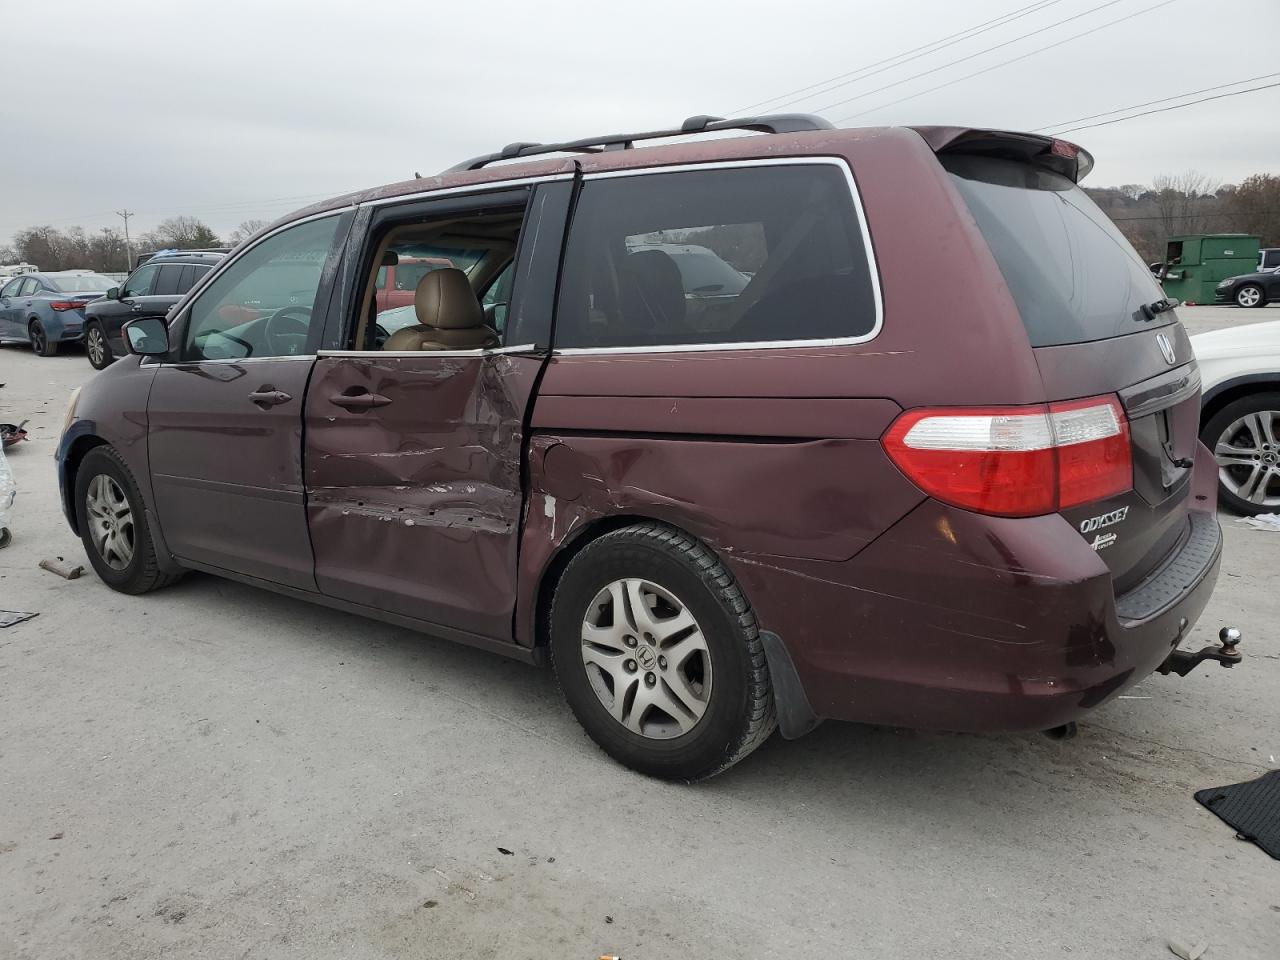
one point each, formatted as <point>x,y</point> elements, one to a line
<point>1252,808</point>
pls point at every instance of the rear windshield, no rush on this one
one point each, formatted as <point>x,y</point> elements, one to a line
<point>82,283</point>
<point>1072,274</point>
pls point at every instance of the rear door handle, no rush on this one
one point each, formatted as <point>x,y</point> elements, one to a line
<point>359,401</point>
<point>268,397</point>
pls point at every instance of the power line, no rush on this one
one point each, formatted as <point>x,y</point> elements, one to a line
<point>1176,96</point>
<point>1005,63</point>
<point>1177,106</point>
<point>971,56</point>
<point>905,57</point>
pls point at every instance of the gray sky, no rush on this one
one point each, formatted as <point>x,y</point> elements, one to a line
<point>232,109</point>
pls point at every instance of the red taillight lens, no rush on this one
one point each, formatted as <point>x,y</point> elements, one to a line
<point>61,305</point>
<point>1016,461</point>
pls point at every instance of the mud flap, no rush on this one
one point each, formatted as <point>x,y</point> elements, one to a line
<point>795,715</point>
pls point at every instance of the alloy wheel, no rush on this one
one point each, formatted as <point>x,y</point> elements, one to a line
<point>95,346</point>
<point>38,339</point>
<point>111,524</point>
<point>1248,456</point>
<point>1249,296</point>
<point>646,658</point>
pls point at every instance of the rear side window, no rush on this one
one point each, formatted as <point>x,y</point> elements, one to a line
<point>168,280</point>
<point>757,254</point>
<point>1072,274</point>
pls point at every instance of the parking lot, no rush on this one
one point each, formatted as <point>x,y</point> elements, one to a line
<point>216,771</point>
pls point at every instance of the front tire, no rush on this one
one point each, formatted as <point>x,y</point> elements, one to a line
<point>112,521</point>
<point>1245,439</point>
<point>658,654</point>
<point>41,345</point>
<point>97,347</point>
<point>1250,295</point>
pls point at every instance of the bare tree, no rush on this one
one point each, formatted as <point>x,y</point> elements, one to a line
<point>180,233</point>
<point>1184,201</point>
<point>246,230</point>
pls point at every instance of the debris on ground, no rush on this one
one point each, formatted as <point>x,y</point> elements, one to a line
<point>1185,952</point>
<point>1263,521</point>
<point>57,836</point>
<point>505,852</point>
<point>8,493</point>
<point>9,617</point>
<point>11,433</point>
<point>63,568</point>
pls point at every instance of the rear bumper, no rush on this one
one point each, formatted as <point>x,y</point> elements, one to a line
<point>959,622</point>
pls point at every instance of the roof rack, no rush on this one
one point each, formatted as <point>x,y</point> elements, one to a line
<point>770,123</point>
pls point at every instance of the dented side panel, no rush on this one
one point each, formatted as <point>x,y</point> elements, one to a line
<point>824,499</point>
<point>414,505</point>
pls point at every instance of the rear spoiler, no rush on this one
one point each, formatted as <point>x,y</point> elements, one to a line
<point>1060,156</point>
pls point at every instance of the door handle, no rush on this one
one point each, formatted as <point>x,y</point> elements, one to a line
<point>269,397</point>
<point>136,308</point>
<point>359,401</point>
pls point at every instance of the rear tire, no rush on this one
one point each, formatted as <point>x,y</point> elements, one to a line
<point>1245,439</point>
<point>111,517</point>
<point>1251,295</point>
<point>97,347</point>
<point>41,345</point>
<point>684,701</point>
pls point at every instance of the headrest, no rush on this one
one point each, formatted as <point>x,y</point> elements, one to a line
<point>444,300</point>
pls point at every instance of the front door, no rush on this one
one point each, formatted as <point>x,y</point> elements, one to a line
<point>414,459</point>
<point>225,410</point>
<point>9,327</point>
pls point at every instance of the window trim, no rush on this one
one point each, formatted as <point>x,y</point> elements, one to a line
<point>181,311</point>
<point>795,161</point>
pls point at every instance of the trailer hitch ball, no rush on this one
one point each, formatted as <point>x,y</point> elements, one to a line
<point>1183,662</point>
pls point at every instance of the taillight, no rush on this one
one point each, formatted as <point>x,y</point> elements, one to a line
<point>61,305</point>
<point>1016,461</point>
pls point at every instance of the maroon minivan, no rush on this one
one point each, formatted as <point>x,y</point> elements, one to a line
<point>722,451</point>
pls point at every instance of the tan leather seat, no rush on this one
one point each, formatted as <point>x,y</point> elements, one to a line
<point>449,316</point>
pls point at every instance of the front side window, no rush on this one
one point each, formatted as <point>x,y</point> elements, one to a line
<point>11,288</point>
<point>263,304</point>
<point>755,254</point>
<point>139,285</point>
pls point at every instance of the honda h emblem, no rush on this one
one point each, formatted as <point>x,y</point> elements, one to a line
<point>1166,348</point>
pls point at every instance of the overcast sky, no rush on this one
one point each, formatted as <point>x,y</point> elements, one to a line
<point>234,109</point>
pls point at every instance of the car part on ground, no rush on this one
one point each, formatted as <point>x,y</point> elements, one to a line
<point>12,433</point>
<point>8,495</point>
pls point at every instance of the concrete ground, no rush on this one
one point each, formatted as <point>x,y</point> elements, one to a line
<point>213,771</point>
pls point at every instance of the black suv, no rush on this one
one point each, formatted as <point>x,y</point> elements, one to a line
<point>149,292</point>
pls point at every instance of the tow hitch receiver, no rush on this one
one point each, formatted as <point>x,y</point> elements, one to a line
<point>1183,662</point>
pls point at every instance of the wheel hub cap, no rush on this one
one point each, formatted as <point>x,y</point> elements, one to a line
<point>1248,456</point>
<point>110,521</point>
<point>646,659</point>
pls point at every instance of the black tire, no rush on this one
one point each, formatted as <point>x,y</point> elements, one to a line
<point>1254,290</point>
<point>41,345</point>
<point>97,345</point>
<point>142,573</point>
<point>1212,434</point>
<point>739,712</point>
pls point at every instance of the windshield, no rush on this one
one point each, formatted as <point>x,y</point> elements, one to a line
<point>82,283</point>
<point>703,272</point>
<point>1072,274</point>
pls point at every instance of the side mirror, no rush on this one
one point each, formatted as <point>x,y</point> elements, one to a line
<point>113,293</point>
<point>147,337</point>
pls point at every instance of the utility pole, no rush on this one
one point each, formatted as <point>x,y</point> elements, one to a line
<point>128,250</point>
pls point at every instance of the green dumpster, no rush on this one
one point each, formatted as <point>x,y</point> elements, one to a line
<point>1194,264</point>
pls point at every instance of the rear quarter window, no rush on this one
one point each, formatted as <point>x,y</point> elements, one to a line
<point>1072,274</point>
<point>743,255</point>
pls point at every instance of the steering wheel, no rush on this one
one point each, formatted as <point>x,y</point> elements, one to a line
<point>281,340</point>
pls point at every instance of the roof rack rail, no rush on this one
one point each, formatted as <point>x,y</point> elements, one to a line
<point>769,123</point>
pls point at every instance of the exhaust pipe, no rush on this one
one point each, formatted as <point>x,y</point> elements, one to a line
<point>1065,732</point>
